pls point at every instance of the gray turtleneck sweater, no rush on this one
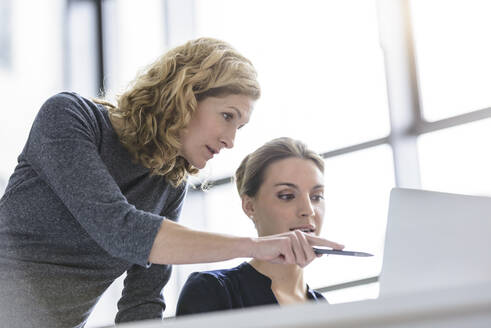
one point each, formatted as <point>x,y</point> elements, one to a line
<point>76,214</point>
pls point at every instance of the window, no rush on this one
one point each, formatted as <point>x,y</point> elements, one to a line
<point>454,75</point>
<point>320,67</point>
<point>452,52</point>
<point>5,34</point>
<point>134,36</point>
<point>83,74</point>
<point>32,34</point>
<point>457,159</point>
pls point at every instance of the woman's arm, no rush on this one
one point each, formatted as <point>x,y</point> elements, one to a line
<point>176,244</point>
<point>63,152</point>
<point>142,298</point>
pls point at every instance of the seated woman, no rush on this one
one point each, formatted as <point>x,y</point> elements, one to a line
<point>282,189</point>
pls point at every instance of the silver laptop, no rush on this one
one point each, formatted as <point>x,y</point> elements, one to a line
<point>435,241</point>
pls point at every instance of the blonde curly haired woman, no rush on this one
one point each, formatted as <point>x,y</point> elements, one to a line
<point>98,187</point>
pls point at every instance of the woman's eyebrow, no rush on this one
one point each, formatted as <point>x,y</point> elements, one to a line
<point>288,184</point>
<point>237,110</point>
<point>292,185</point>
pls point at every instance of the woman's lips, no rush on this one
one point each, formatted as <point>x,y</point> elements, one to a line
<point>211,151</point>
<point>304,229</point>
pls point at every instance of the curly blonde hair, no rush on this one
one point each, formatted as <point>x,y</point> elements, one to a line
<point>161,100</point>
<point>250,175</point>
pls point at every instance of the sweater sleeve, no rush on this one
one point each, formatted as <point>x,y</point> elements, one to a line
<point>142,297</point>
<point>62,149</point>
<point>173,208</point>
<point>203,292</point>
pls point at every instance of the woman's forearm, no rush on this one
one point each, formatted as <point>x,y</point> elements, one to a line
<point>176,244</point>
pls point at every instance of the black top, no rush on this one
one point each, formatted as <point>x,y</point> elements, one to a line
<point>239,287</point>
<point>77,213</point>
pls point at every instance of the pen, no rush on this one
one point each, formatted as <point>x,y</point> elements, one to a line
<point>319,250</point>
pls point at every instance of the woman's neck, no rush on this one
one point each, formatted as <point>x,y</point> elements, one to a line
<point>287,281</point>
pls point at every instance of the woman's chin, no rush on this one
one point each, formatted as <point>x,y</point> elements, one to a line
<point>198,164</point>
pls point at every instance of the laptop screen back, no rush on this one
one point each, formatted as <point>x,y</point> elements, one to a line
<point>435,240</point>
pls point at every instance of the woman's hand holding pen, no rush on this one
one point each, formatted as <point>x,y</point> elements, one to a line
<point>294,247</point>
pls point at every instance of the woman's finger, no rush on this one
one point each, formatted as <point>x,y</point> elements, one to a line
<point>298,248</point>
<point>275,249</point>
<point>306,247</point>
<point>319,241</point>
<point>286,250</point>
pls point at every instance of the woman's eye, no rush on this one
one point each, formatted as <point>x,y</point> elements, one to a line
<point>286,196</point>
<point>317,197</point>
<point>228,116</point>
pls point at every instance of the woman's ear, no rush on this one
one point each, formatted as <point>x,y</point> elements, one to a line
<point>248,206</point>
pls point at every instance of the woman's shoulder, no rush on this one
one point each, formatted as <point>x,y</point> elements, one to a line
<point>217,279</point>
<point>314,295</point>
<point>216,275</point>
<point>67,97</point>
<point>69,104</point>
<point>207,291</point>
<point>72,105</point>
<point>65,112</point>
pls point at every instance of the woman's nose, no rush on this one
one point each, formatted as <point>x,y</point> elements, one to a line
<point>228,138</point>
<point>306,209</point>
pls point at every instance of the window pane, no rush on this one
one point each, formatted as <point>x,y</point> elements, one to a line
<point>452,52</point>
<point>457,159</point>
<point>320,67</point>
<point>5,34</point>
<point>134,37</point>
<point>358,187</point>
<point>83,48</point>
<point>34,70</point>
